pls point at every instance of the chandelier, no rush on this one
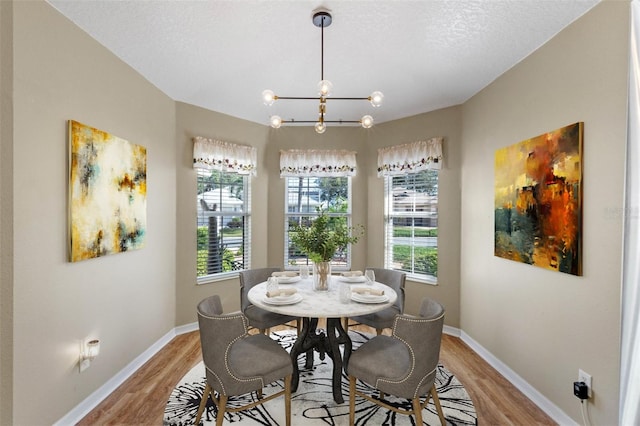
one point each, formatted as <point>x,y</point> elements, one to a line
<point>322,19</point>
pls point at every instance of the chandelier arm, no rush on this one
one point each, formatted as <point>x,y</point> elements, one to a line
<point>301,97</point>
<point>350,99</point>
<point>328,99</point>
<point>325,121</point>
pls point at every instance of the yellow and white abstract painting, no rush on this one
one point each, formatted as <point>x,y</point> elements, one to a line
<point>108,193</point>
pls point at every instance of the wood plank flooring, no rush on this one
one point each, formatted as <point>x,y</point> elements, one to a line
<point>141,399</point>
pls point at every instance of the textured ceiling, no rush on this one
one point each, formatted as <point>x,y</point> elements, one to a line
<point>221,55</point>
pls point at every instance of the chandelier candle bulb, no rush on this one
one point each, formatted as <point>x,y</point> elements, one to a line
<point>268,97</point>
<point>367,121</point>
<point>376,99</point>
<point>275,121</point>
<point>324,88</point>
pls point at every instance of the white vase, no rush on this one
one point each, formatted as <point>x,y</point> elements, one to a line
<point>321,274</point>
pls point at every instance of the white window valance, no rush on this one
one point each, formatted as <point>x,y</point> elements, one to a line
<point>410,158</point>
<point>324,163</point>
<point>225,156</point>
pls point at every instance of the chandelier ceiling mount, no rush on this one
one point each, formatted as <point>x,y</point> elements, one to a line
<point>321,19</point>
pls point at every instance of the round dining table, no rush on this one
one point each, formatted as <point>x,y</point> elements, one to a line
<point>311,305</point>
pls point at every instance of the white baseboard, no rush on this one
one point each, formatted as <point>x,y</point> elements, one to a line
<point>452,331</point>
<point>90,402</point>
<point>82,409</point>
<point>529,391</point>
<point>187,328</point>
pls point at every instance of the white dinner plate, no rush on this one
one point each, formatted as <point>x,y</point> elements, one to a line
<point>289,299</point>
<point>369,298</point>
<point>288,280</point>
<point>359,279</point>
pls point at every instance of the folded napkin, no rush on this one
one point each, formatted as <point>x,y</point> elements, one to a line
<point>282,292</point>
<point>285,274</point>
<point>367,290</point>
<point>352,274</point>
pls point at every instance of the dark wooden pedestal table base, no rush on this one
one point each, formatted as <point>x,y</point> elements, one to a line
<point>311,339</point>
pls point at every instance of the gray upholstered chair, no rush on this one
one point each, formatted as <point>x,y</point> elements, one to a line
<point>384,319</point>
<point>237,363</point>
<point>403,364</point>
<point>259,318</point>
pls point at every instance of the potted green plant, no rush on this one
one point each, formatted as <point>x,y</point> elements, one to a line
<point>321,240</point>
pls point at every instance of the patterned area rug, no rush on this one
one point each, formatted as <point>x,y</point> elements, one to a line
<point>312,403</point>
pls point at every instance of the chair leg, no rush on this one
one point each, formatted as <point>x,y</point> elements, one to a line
<point>417,410</point>
<point>287,400</point>
<point>222,407</point>
<point>203,403</point>
<point>436,401</point>
<point>352,400</point>
<point>378,331</point>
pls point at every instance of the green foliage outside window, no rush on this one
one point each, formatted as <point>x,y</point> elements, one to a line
<point>307,197</point>
<point>228,257</point>
<point>426,259</point>
<point>418,232</point>
<point>334,192</point>
<point>411,225</point>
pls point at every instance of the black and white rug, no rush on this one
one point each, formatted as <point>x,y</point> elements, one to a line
<point>312,403</point>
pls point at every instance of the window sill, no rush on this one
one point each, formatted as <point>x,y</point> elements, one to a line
<point>423,279</point>
<point>216,278</point>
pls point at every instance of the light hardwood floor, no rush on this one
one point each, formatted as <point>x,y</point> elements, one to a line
<point>141,399</point>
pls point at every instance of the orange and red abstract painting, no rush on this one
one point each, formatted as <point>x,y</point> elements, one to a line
<point>107,193</point>
<point>538,200</point>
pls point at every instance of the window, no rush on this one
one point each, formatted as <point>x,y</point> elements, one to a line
<point>303,197</point>
<point>223,223</point>
<point>411,224</point>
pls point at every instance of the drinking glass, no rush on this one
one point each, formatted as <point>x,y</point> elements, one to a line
<point>272,285</point>
<point>369,276</point>
<point>344,293</point>
<point>304,272</point>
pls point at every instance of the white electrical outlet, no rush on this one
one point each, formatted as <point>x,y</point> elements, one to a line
<point>586,378</point>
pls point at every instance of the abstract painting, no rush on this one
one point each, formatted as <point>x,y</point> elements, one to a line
<point>107,193</point>
<point>538,200</point>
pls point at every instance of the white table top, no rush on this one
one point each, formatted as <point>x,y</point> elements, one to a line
<point>321,304</point>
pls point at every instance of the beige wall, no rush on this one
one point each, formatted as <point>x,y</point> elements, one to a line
<point>192,121</point>
<point>546,325</point>
<point>446,123</point>
<point>126,300</point>
<point>543,325</point>
<point>6,212</point>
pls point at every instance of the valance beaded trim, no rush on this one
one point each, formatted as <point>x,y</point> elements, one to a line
<point>224,156</point>
<point>410,158</point>
<point>320,163</point>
